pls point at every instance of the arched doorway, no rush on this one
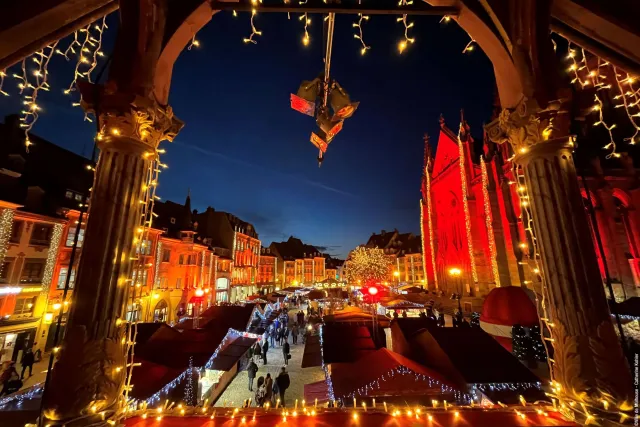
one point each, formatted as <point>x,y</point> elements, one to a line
<point>161,311</point>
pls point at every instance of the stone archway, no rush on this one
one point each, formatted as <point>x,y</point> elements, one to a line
<point>132,108</point>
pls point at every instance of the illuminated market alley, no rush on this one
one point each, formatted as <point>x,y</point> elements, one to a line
<point>238,390</point>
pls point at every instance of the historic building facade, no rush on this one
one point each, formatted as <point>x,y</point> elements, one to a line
<point>300,263</point>
<point>268,277</point>
<point>471,219</point>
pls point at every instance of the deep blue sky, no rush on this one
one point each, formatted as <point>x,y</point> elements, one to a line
<point>243,150</point>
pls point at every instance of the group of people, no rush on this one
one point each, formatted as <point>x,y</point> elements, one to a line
<point>283,328</point>
<point>268,390</point>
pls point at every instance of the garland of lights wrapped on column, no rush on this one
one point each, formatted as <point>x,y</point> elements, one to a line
<point>465,207</point>
<point>488,217</point>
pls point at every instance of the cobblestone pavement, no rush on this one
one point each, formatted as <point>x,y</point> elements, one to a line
<point>238,390</point>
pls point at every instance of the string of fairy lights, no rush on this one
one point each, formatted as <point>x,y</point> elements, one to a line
<point>430,225</point>
<point>465,206</point>
<point>488,217</point>
<point>30,91</point>
<point>600,75</point>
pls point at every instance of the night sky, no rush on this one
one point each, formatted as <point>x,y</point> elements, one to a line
<point>243,150</point>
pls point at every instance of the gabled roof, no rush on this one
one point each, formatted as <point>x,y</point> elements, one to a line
<point>293,248</point>
<point>447,151</point>
<point>381,240</point>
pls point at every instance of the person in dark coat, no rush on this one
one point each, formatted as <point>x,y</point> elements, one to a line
<point>283,382</point>
<point>285,351</point>
<point>252,370</point>
<point>294,333</point>
<point>265,348</point>
<point>257,350</point>
<point>27,362</point>
<point>268,386</point>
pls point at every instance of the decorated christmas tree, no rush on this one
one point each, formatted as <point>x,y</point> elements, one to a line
<point>538,351</point>
<point>521,343</point>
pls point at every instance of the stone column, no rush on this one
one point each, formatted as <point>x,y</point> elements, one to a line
<point>89,376</point>
<point>588,359</point>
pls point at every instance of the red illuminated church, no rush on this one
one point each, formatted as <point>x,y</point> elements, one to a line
<point>471,218</point>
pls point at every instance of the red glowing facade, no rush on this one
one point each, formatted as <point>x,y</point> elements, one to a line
<point>471,219</point>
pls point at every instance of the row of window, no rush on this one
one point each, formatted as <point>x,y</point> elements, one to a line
<point>40,233</point>
<point>32,270</point>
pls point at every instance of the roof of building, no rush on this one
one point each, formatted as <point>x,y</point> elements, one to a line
<point>294,248</point>
<point>172,216</point>
<point>381,240</point>
<point>22,173</point>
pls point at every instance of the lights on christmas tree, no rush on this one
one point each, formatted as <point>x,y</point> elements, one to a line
<point>366,264</point>
<point>359,35</point>
<point>254,31</point>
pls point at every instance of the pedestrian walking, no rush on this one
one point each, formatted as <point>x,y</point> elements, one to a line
<point>265,348</point>
<point>283,382</point>
<point>294,333</point>
<point>27,362</point>
<point>252,370</point>
<point>260,393</point>
<point>285,352</point>
<point>268,387</point>
<point>257,350</point>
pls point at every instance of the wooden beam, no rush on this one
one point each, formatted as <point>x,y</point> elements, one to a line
<point>322,8</point>
<point>21,39</point>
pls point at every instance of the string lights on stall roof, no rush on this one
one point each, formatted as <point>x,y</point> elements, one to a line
<point>254,31</point>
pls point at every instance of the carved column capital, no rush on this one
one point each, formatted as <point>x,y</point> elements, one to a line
<point>527,125</point>
<point>129,116</point>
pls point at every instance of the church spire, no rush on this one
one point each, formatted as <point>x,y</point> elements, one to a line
<point>428,158</point>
